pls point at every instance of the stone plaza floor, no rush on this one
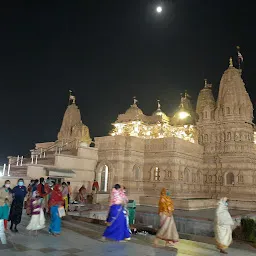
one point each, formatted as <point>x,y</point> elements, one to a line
<point>80,238</point>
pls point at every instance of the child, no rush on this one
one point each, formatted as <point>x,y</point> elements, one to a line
<point>37,220</point>
<point>2,219</point>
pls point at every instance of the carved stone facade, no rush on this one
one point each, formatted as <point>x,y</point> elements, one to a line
<point>223,162</point>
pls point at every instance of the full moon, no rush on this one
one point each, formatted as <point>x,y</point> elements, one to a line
<point>159,9</point>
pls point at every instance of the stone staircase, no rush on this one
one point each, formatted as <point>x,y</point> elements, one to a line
<point>18,171</point>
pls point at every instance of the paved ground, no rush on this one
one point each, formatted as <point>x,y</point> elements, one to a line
<point>80,238</point>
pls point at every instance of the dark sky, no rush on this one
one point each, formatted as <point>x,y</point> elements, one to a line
<point>107,52</point>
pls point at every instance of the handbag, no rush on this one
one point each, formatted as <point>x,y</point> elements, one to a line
<point>61,212</point>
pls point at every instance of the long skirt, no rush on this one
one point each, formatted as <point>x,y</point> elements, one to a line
<point>55,224</point>
<point>167,231</point>
<point>2,232</point>
<point>16,211</point>
<point>117,224</point>
<point>37,221</point>
<point>223,236</point>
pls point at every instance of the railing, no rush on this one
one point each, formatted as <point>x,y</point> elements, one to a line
<point>57,147</point>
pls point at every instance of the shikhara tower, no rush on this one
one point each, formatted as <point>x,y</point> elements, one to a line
<point>226,131</point>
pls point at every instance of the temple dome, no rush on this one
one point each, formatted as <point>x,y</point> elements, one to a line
<point>134,110</point>
<point>160,113</point>
<point>185,115</point>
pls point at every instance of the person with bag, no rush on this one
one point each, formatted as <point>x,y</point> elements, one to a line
<point>37,221</point>
<point>116,221</point>
<point>56,209</point>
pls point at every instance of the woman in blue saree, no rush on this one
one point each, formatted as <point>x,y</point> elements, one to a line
<point>56,200</point>
<point>116,221</point>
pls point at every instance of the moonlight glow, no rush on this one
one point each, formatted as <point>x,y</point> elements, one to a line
<point>159,9</point>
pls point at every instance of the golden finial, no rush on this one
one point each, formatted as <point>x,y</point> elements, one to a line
<point>158,104</point>
<point>230,62</point>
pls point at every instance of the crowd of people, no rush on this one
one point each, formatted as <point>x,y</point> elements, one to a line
<point>39,198</point>
<point>118,220</point>
<point>47,197</point>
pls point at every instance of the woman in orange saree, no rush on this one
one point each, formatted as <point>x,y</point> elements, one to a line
<point>167,231</point>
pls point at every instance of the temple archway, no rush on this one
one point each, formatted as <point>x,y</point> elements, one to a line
<point>104,178</point>
<point>230,178</point>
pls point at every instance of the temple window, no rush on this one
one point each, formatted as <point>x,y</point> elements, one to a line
<point>228,110</point>
<point>230,178</point>
<point>169,174</point>
<point>136,171</point>
<point>104,178</point>
<point>205,114</point>
<point>156,174</point>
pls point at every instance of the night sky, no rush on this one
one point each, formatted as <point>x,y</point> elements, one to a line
<point>107,52</point>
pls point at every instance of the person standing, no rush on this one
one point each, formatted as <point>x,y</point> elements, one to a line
<point>95,186</point>
<point>168,231</point>
<point>29,196</point>
<point>37,220</point>
<point>65,195</point>
<point>116,221</point>
<point>69,192</point>
<point>5,201</point>
<point>19,192</point>
<point>223,226</point>
<point>56,200</point>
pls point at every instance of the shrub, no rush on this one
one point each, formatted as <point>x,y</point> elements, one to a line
<point>249,229</point>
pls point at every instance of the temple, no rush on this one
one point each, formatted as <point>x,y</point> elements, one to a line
<point>199,154</point>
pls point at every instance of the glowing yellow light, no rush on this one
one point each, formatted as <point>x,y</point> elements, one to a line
<point>183,115</point>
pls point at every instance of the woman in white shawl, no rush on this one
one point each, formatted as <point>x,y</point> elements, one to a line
<point>223,226</point>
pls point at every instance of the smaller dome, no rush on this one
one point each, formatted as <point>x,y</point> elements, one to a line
<point>134,110</point>
<point>159,112</point>
<point>185,115</point>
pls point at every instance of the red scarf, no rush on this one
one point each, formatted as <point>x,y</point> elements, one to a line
<point>56,197</point>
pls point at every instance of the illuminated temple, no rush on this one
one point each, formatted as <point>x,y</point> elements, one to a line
<point>158,125</point>
<point>203,153</point>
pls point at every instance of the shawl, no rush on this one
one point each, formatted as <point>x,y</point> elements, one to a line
<point>165,204</point>
<point>56,196</point>
<point>117,197</point>
<point>222,216</point>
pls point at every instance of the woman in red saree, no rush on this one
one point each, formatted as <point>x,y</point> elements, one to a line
<point>56,200</point>
<point>167,231</point>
